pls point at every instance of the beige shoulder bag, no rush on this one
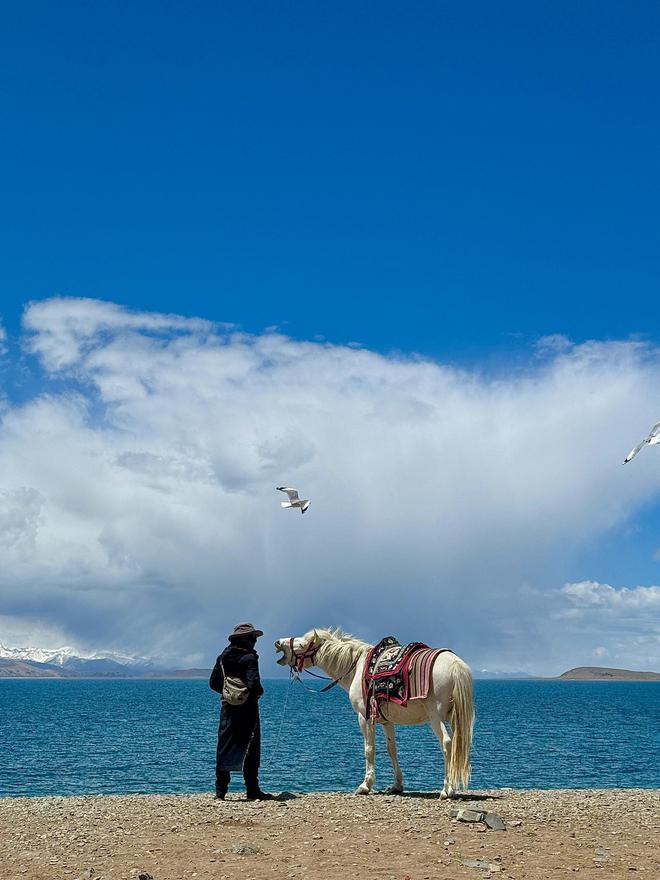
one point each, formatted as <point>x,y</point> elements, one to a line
<point>234,691</point>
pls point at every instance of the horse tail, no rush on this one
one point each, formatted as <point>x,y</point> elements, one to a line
<point>462,724</point>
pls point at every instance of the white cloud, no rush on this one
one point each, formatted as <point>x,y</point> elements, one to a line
<point>64,330</point>
<point>553,343</point>
<point>3,340</point>
<point>19,515</point>
<point>590,594</point>
<point>437,494</point>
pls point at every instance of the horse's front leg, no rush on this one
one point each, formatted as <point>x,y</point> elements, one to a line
<point>390,734</point>
<point>369,733</point>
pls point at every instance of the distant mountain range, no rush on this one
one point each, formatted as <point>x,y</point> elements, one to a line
<point>68,663</point>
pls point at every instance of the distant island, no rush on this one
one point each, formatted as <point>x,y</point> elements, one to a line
<point>578,673</point>
<point>603,673</point>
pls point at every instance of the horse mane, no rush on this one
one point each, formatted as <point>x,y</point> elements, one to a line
<point>338,649</point>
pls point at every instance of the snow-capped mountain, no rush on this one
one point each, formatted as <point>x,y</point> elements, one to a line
<point>69,658</point>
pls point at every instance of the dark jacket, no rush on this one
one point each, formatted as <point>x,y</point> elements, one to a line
<point>240,663</point>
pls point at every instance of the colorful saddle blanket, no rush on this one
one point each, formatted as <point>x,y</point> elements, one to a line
<point>397,673</point>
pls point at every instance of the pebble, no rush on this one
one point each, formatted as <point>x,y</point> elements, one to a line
<point>246,849</point>
<point>483,864</point>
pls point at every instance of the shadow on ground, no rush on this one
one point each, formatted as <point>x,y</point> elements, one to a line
<point>434,795</point>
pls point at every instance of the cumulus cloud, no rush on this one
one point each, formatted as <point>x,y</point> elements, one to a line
<point>141,511</point>
<point>591,594</point>
<point>19,513</point>
<point>62,331</point>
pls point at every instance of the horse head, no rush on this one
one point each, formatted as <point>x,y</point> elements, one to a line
<point>298,652</point>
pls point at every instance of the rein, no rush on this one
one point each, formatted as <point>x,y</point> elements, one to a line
<point>310,654</point>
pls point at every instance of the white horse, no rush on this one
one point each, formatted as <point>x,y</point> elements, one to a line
<point>450,698</point>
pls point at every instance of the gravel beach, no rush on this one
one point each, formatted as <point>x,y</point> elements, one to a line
<point>593,833</point>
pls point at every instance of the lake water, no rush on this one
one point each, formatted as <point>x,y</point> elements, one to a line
<point>94,736</point>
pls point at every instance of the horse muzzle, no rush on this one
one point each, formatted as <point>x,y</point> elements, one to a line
<point>279,648</point>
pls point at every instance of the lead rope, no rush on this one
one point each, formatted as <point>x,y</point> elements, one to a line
<point>295,674</point>
<point>278,736</point>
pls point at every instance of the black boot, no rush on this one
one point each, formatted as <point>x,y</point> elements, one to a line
<point>222,778</point>
<point>256,794</point>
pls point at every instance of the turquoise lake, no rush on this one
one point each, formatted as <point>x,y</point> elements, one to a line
<point>118,736</point>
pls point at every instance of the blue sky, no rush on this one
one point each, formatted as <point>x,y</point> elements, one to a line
<point>454,180</point>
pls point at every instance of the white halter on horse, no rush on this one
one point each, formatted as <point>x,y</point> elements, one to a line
<point>449,699</point>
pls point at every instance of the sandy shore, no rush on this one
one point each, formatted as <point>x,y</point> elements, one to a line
<point>608,833</point>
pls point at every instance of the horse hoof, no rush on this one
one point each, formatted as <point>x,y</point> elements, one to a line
<point>443,795</point>
<point>362,789</point>
<point>394,789</point>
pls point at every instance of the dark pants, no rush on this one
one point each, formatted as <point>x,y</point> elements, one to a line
<point>250,763</point>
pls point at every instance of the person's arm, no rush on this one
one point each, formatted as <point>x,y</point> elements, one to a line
<point>250,669</point>
<point>217,679</point>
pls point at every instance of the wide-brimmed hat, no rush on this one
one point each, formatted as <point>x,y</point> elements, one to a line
<point>245,629</point>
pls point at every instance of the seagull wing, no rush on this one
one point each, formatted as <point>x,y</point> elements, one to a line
<point>292,493</point>
<point>633,452</point>
<point>654,435</point>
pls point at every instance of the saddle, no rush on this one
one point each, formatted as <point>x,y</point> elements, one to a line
<point>395,673</point>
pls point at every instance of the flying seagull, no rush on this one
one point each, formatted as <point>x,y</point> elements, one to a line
<point>651,440</point>
<point>294,500</point>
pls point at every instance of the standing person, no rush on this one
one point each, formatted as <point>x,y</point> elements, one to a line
<point>239,734</point>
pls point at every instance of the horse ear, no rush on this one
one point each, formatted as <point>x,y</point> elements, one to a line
<point>315,637</point>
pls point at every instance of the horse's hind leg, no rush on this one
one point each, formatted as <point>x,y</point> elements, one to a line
<point>445,741</point>
<point>369,733</point>
<point>390,735</point>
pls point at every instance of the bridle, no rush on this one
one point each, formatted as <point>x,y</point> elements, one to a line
<point>298,657</point>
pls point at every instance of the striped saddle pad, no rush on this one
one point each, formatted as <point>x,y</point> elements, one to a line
<point>397,673</point>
